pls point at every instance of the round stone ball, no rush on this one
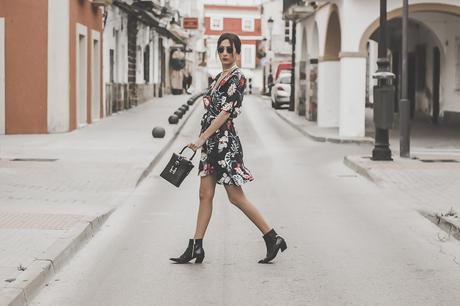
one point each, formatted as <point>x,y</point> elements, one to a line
<point>190,101</point>
<point>183,109</point>
<point>158,132</point>
<point>179,114</point>
<point>185,106</point>
<point>173,119</point>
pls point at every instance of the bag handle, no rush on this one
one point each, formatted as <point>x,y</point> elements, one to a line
<point>194,152</point>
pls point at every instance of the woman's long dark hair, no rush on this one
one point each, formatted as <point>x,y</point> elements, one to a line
<point>234,40</point>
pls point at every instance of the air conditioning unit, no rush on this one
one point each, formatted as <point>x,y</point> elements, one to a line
<point>101,2</point>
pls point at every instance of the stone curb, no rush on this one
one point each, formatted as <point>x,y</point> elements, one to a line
<point>319,138</point>
<point>363,171</point>
<point>166,147</point>
<point>28,284</point>
<point>449,224</point>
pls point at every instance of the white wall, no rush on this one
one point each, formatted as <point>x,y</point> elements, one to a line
<point>58,66</point>
<point>447,29</point>
<point>328,93</point>
<point>96,76</point>
<point>82,74</point>
<point>117,20</point>
<point>2,76</point>
<point>352,96</point>
<point>143,37</point>
<point>156,59</point>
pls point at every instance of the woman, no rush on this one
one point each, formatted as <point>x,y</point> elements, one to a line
<point>222,155</point>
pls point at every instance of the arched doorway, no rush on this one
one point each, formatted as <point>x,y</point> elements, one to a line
<point>433,63</point>
<point>424,66</point>
<point>329,74</point>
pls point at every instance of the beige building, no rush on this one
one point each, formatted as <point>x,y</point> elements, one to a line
<point>50,65</point>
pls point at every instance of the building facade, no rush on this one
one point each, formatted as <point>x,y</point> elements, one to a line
<point>245,21</point>
<point>141,39</point>
<point>277,43</point>
<point>339,40</point>
<point>50,78</point>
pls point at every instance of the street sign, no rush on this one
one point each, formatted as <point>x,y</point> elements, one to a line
<point>190,23</point>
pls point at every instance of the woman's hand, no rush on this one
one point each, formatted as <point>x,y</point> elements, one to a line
<point>197,143</point>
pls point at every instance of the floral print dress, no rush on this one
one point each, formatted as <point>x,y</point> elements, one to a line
<point>222,153</point>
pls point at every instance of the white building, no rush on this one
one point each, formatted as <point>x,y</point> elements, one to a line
<point>342,35</point>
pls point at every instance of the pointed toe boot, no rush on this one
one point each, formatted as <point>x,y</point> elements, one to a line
<point>274,243</point>
<point>194,250</point>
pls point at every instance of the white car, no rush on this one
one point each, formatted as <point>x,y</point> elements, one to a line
<point>281,90</point>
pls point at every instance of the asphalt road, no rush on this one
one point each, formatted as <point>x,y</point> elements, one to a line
<point>350,242</point>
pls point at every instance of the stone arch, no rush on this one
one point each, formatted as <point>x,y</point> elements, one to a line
<point>414,8</point>
<point>304,45</point>
<point>333,36</point>
<point>329,73</point>
<point>314,42</point>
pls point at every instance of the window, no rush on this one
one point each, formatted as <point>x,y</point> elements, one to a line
<point>248,53</point>
<point>285,79</point>
<point>247,24</point>
<point>217,23</point>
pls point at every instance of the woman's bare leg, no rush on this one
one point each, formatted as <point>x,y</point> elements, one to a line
<point>207,188</point>
<point>237,197</point>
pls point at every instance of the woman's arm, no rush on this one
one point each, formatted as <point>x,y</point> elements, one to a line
<point>215,125</point>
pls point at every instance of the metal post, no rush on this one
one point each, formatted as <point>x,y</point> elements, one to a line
<point>292,97</point>
<point>264,81</point>
<point>270,50</point>
<point>404,104</point>
<point>381,149</point>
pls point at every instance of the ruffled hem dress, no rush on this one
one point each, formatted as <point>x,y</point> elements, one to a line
<point>222,153</point>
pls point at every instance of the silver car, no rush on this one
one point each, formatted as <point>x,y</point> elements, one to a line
<point>281,90</point>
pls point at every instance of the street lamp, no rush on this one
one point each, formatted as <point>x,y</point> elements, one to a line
<point>270,22</point>
<point>384,93</point>
<point>264,64</point>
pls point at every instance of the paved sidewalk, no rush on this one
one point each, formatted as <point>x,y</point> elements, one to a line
<point>57,189</point>
<point>311,129</point>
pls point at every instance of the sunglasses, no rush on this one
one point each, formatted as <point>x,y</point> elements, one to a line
<point>221,49</point>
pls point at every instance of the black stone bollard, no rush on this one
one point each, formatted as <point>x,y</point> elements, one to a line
<point>158,132</point>
<point>179,114</point>
<point>173,119</point>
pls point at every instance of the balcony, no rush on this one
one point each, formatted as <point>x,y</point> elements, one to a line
<point>101,2</point>
<point>297,9</point>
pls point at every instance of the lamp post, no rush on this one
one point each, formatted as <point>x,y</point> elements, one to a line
<point>384,93</point>
<point>270,22</point>
<point>404,104</point>
<point>264,72</point>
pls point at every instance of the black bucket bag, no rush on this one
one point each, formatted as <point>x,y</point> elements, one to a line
<point>178,168</point>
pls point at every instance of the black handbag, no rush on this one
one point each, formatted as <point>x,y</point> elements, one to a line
<point>178,168</point>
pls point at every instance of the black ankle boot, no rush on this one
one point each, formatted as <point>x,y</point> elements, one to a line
<point>274,243</point>
<point>194,250</point>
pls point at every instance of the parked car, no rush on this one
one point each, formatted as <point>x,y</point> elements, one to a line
<point>281,91</point>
